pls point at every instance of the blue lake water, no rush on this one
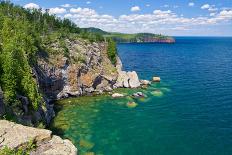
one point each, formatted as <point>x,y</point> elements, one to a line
<point>192,116</point>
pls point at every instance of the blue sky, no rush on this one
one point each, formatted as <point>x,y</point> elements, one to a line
<point>170,17</point>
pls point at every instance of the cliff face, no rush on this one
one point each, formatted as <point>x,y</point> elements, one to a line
<point>86,69</point>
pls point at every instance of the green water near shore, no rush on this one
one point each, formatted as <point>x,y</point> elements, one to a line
<point>95,124</point>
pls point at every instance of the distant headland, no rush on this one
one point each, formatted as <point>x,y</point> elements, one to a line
<point>133,38</point>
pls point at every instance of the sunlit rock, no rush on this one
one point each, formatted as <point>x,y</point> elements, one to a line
<point>117,95</point>
<point>156,79</point>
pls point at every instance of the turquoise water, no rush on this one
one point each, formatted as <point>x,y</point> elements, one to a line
<point>190,115</point>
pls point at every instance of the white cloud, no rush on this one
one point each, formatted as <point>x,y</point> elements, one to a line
<point>135,8</point>
<point>31,6</point>
<point>208,7</point>
<point>191,4</point>
<point>66,5</point>
<point>88,2</point>
<point>205,6</point>
<point>226,14</point>
<point>148,5</point>
<point>212,14</point>
<point>83,11</point>
<point>57,10</point>
<point>160,21</point>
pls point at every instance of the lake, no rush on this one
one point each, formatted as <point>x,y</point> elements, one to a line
<point>191,114</point>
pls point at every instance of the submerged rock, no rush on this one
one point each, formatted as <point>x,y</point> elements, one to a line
<point>157,93</point>
<point>138,95</point>
<point>131,104</point>
<point>117,95</point>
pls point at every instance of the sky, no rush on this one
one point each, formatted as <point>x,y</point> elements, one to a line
<point>168,17</point>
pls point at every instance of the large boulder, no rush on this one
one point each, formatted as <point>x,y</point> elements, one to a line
<point>123,80</point>
<point>133,79</point>
<point>15,135</point>
<point>55,146</point>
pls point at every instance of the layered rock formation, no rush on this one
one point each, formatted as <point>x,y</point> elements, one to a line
<point>86,70</point>
<point>15,135</point>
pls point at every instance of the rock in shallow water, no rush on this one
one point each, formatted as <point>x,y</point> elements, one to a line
<point>157,93</point>
<point>138,95</point>
<point>145,82</point>
<point>133,79</point>
<point>131,104</point>
<point>156,79</point>
<point>117,95</point>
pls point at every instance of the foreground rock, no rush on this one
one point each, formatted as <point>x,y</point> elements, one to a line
<point>15,135</point>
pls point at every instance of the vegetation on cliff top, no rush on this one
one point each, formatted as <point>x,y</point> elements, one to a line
<point>23,33</point>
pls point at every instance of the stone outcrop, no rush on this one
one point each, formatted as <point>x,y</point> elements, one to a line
<point>126,79</point>
<point>86,70</point>
<point>15,135</point>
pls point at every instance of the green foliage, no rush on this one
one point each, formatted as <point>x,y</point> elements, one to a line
<point>17,52</point>
<point>20,151</point>
<point>25,32</point>
<point>112,51</point>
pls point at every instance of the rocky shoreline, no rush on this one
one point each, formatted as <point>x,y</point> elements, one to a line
<point>59,77</point>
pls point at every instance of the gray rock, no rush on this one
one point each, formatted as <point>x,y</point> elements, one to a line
<point>117,95</point>
<point>133,79</point>
<point>145,82</point>
<point>15,135</point>
<point>138,95</point>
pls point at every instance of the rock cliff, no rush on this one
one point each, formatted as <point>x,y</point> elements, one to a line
<point>85,70</point>
<point>15,135</point>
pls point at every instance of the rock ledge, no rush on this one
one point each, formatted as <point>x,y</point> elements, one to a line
<point>15,135</point>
